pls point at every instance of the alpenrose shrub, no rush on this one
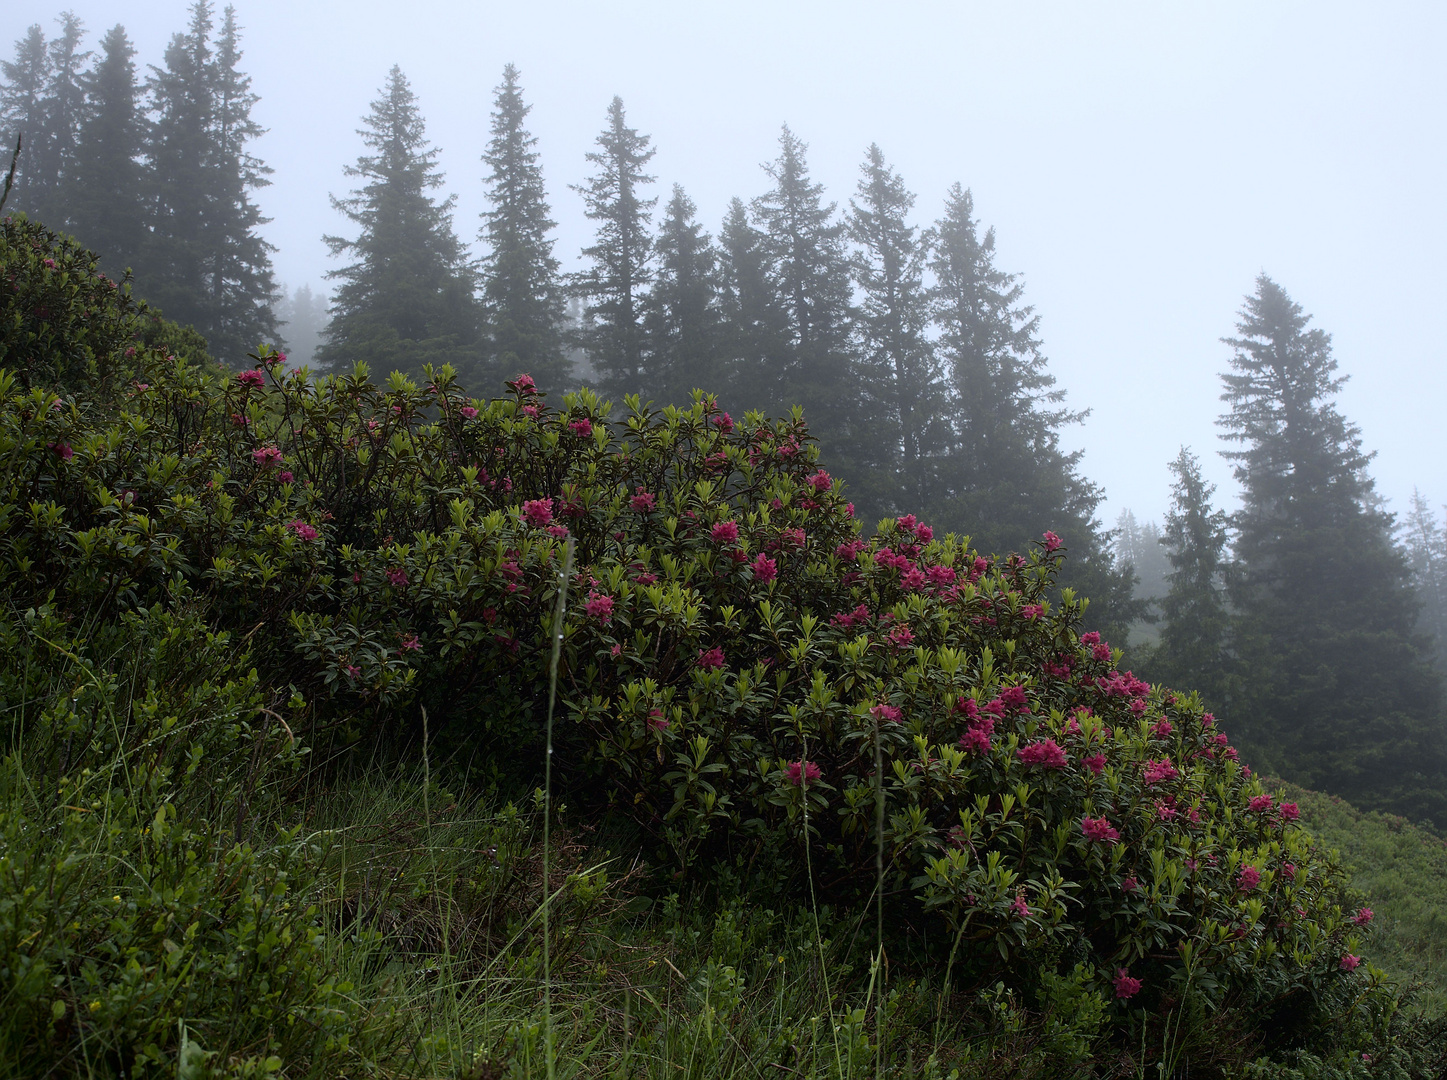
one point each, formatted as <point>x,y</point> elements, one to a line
<point>740,666</point>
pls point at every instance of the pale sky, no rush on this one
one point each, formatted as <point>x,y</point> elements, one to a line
<point>1141,163</point>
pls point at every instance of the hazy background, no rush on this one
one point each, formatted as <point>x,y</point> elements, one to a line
<point>1140,162</point>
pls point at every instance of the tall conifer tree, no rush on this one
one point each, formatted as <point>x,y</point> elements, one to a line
<point>1341,697</point>
<point>1195,635</point>
<point>173,267</point>
<point>682,312</point>
<point>902,411</point>
<point>240,284</point>
<point>754,327</point>
<point>23,110</point>
<point>1425,541</point>
<point>406,298</point>
<point>1006,479</point>
<point>615,284</point>
<point>809,268</point>
<point>521,288</point>
<point>106,200</point>
<point>64,99</point>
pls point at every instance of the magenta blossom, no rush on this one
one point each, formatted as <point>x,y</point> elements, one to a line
<point>62,450</point>
<point>1363,916</point>
<point>251,377</point>
<point>468,412</point>
<point>1022,909</point>
<point>538,512</point>
<point>1045,753</point>
<point>302,530</point>
<point>266,456</point>
<point>285,476</point>
<point>725,532</point>
<point>1158,772</point>
<point>657,721</point>
<point>821,481</point>
<point>1130,884</point>
<point>643,502</point>
<point>1248,878</point>
<point>1350,962</point>
<point>1125,986</point>
<point>600,607</point>
<point>410,643</point>
<point>1095,763</point>
<point>1099,830</point>
<point>1259,803</point>
<point>901,637</point>
<point>524,384</point>
<point>765,569</point>
<point>885,712</point>
<point>724,422</point>
<point>803,773</point>
<point>397,577</point>
<point>710,659</point>
<point>582,427</point>
<point>1289,811</point>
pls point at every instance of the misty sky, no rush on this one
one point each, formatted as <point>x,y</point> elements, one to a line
<point>1141,163</point>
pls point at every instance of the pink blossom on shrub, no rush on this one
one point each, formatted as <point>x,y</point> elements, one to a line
<point>266,456</point>
<point>1363,916</point>
<point>656,720</point>
<point>1013,698</point>
<point>558,532</point>
<point>725,532</point>
<point>1101,651</point>
<point>942,576</point>
<point>599,606</point>
<point>1022,909</point>
<point>1090,637</point>
<point>643,502</point>
<point>885,712</point>
<point>396,577</point>
<point>1052,542</point>
<point>1032,611</point>
<point>410,643</point>
<point>1350,962</point>
<point>524,384</point>
<point>1046,753</point>
<point>1158,772</point>
<point>302,530</point>
<point>1125,986</point>
<point>582,427</point>
<point>61,450</point>
<point>1259,803</point>
<point>803,773</point>
<point>1095,763</point>
<point>1162,729</point>
<point>1248,878</point>
<point>764,568</point>
<point>538,512</point>
<point>468,412</point>
<point>820,481</point>
<point>924,534</point>
<point>251,377</point>
<point>724,422</point>
<point>976,739</point>
<point>901,637</point>
<point>1289,811</point>
<point>285,476</point>
<point>710,659</point>
<point>1099,830</point>
<point>1130,884</point>
<point>914,580</point>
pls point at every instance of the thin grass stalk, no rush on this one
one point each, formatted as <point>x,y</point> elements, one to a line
<point>559,611</point>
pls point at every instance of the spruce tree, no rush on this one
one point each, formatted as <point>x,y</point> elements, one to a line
<point>753,325</point>
<point>1340,696</point>
<point>1425,541</point>
<point>302,316</point>
<point>1005,480</point>
<point>898,425</point>
<point>615,284</point>
<point>406,297</point>
<point>1195,631</point>
<point>1138,545</point>
<point>682,319</point>
<point>521,288</point>
<point>240,281</point>
<point>172,269</point>
<point>105,200</point>
<point>809,270</point>
<point>23,111</point>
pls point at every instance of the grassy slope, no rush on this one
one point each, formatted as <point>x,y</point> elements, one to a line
<point>1401,869</point>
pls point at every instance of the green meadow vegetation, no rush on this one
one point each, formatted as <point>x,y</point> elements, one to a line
<point>380,730</point>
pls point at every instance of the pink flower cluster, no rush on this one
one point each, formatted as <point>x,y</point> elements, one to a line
<point>582,427</point>
<point>885,712</point>
<point>266,456</point>
<point>846,620</point>
<point>599,606</point>
<point>725,532</point>
<point>1052,542</point>
<point>643,502</point>
<point>803,773</point>
<point>1099,830</point>
<point>1248,878</point>
<point>538,512</point>
<point>1046,753</point>
<point>251,378</point>
<point>1125,986</point>
<point>1158,772</point>
<point>710,659</point>
<point>302,530</point>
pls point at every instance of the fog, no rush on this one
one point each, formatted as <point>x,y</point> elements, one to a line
<point>1141,164</point>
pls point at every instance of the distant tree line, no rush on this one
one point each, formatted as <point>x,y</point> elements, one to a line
<point>915,357</point>
<point>154,175</point>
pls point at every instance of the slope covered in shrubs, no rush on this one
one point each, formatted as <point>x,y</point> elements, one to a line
<point>744,675</point>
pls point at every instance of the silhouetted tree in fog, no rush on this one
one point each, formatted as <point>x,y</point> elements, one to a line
<point>682,310</point>
<point>1341,697</point>
<point>615,283</point>
<point>406,298</point>
<point>522,291</point>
